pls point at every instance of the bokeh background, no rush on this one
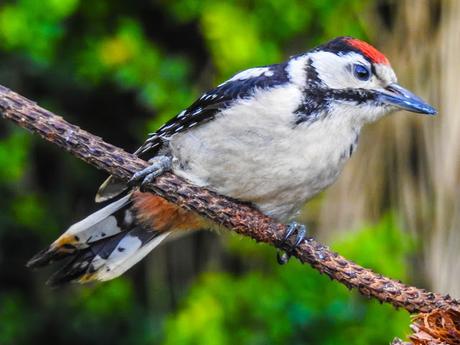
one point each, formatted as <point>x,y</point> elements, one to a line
<point>121,68</point>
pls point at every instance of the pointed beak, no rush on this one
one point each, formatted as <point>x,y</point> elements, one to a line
<point>399,97</point>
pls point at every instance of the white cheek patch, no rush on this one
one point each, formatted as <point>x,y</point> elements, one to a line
<point>335,72</point>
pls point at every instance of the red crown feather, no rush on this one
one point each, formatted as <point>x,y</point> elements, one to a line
<point>369,51</point>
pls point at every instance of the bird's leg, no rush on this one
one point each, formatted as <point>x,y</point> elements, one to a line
<point>300,231</point>
<point>158,166</point>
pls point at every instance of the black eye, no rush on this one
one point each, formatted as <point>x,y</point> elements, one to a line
<point>361,72</point>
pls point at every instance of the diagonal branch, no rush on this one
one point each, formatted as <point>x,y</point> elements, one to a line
<point>238,217</point>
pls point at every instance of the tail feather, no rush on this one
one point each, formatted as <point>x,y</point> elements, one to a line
<point>108,258</point>
<point>104,223</point>
<point>110,241</point>
<point>120,260</point>
<point>102,246</point>
<point>110,188</point>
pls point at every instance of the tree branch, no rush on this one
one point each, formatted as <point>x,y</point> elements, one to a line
<point>236,216</point>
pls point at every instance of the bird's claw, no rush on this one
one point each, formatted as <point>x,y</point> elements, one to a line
<point>158,166</point>
<point>301,233</point>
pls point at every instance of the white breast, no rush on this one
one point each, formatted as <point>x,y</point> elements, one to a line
<point>254,152</point>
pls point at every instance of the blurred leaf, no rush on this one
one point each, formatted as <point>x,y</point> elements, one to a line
<point>292,303</point>
<point>34,26</point>
<point>14,323</point>
<point>234,38</point>
<point>108,300</point>
<point>31,212</point>
<point>14,155</point>
<point>385,247</point>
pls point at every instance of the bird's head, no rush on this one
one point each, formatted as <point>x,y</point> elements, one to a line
<point>353,75</point>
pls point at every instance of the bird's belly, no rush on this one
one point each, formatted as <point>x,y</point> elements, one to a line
<point>276,171</point>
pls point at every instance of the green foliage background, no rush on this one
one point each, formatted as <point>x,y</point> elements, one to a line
<point>120,69</point>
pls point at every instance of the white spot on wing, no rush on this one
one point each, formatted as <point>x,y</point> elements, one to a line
<point>251,73</point>
<point>168,126</point>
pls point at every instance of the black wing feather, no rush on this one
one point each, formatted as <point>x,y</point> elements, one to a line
<point>212,102</point>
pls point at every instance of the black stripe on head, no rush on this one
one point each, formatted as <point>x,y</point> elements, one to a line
<point>313,80</point>
<point>317,101</point>
<point>314,105</point>
<point>357,96</point>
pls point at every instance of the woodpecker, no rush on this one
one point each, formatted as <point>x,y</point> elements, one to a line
<point>273,136</point>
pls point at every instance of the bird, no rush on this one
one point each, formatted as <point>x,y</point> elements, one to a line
<point>272,136</point>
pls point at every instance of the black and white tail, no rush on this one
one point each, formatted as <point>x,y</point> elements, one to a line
<point>102,246</point>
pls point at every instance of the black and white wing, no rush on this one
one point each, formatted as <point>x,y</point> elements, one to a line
<point>242,85</point>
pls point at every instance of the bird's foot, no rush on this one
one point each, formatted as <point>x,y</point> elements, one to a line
<point>300,231</point>
<point>158,166</point>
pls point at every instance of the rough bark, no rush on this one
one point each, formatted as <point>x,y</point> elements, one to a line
<point>236,216</point>
<point>439,327</point>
